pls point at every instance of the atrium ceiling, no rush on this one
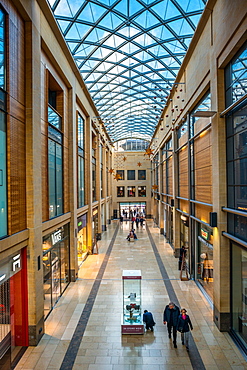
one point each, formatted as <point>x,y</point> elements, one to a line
<point>129,53</point>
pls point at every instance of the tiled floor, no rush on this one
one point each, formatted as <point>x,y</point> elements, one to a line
<point>87,318</point>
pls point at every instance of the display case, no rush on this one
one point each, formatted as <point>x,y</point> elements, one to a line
<point>132,313</point>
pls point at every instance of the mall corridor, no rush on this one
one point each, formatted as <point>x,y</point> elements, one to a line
<point>83,332</point>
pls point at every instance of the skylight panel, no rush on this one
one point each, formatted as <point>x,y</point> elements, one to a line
<point>129,31</point>
<point>166,9</point>
<point>146,19</point>
<point>122,7</point>
<point>63,25</point>
<point>96,35</point>
<point>121,81</point>
<point>63,9</point>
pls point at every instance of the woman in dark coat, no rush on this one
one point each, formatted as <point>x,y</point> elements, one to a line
<point>183,326</point>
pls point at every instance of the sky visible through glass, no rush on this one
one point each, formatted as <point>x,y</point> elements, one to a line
<point>129,53</point>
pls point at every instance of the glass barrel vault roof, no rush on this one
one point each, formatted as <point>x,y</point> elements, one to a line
<point>129,53</point>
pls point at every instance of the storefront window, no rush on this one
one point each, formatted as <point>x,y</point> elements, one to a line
<point>55,266</point>
<point>131,191</point>
<point>82,249</point>
<point>239,292</point>
<point>141,191</point>
<point>205,263</point>
<point>120,191</point>
<point>13,308</point>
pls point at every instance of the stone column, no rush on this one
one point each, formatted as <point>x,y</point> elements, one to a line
<point>88,181</point>
<point>221,244</point>
<point>104,227</point>
<point>73,186</point>
<point>176,215</point>
<point>34,182</point>
<point>98,184</point>
<point>161,205</point>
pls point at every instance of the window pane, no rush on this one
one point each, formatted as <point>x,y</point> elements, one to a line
<point>80,132</point>
<point>81,200</point>
<point>120,191</point>
<point>121,174</point>
<point>131,191</point>
<point>52,178</point>
<point>59,179</point>
<point>2,49</point>
<point>3,182</point>
<point>141,174</point>
<point>54,119</point>
<point>94,182</point>
<point>55,168</point>
<point>141,191</point>
<point>130,174</point>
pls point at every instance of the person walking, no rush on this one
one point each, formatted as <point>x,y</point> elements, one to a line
<point>182,255</point>
<point>183,326</point>
<point>149,320</point>
<point>171,314</point>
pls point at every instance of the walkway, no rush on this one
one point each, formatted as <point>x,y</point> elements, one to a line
<point>84,330</point>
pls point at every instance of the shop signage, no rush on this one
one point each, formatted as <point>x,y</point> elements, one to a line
<point>56,237</point>
<point>81,222</point>
<point>132,329</point>
<point>205,234</point>
<point>16,264</point>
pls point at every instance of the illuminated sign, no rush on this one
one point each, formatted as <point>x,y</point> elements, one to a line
<point>205,234</point>
<point>16,264</point>
<point>56,237</point>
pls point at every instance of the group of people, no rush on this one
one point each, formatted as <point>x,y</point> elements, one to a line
<point>176,320</point>
<point>138,219</point>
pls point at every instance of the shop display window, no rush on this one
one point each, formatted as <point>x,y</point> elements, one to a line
<point>141,191</point>
<point>205,265</point>
<point>120,191</point>
<point>131,191</point>
<point>239,292</point>
<point>56,270</point>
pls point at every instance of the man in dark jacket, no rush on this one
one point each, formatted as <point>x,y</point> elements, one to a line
<point>148,319</point>
<point>171,314</point>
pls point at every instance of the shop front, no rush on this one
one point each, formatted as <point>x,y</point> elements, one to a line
<point>82,249</point>
<point>205,258</point>
<point>13,309</point>
<point>168,224</point>
<point>239,293</point>
<point>95,234</point>
<point>127,209</point>
<point>56,266</point>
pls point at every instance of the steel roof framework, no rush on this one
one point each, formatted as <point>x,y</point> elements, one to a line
<point>128,53</point>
